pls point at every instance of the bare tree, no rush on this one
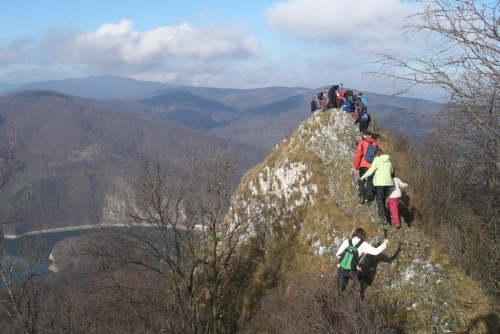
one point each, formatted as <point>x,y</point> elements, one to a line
<point>465,67</point>
<point>176,272</point>
<point>11,159</point>
<point>465,143</point>
<point>20,277</point>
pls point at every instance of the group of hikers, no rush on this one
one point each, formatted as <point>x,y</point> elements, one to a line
<point>377,181</point>
<point>336,97</point>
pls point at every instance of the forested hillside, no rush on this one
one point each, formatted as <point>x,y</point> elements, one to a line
<point>79,152</point>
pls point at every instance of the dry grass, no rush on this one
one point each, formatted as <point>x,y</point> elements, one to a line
<point>301,299</point>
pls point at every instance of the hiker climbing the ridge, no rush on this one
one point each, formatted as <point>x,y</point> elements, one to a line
<point>382,170</point>
<point>365,153</point>
<point>349,254</point>
<point>363,120</point>
<point>340,96</point>
<point>394,197</point>
<point>314,105</point>
<point>354,106</point>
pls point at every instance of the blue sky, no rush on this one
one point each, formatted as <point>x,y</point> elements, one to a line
<point>228,44</point>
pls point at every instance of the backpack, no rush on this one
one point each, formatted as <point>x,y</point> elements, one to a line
<point>361,105</point>
<point>320,96</point>
<point>370,152</point>
<point>364,117</point>
<point>362,99</point>
<point>341,94</point>
<point>350,256</point>
<point>313,106</point>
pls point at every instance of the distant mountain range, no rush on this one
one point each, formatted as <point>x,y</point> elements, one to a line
<point>259,117</point>
<point>83,131</point>
<point>100,87</point>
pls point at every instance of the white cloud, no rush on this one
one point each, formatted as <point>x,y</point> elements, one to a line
<point>356,25</point>
<point>14,50</point>
<point>344,38</point>
<point>117,44</point>
<point>325,42</point>
<point>180,54</point>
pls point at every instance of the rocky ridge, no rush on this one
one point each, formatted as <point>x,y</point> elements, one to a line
<point>309,177</point>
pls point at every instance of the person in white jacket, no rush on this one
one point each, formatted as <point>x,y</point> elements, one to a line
<point>394,197</point>
<point>344,275</point>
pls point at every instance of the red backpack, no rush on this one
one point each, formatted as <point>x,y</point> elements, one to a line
<point>341,95</point>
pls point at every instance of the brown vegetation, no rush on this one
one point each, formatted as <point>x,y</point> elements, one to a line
<point>458,171</point>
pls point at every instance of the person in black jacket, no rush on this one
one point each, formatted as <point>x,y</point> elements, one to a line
<point>314,106</point>
<point>332,97</point>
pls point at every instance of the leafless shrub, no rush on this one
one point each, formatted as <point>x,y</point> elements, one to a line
<point>458,174</point>
<point>310,304</point>
<point>175,267</point>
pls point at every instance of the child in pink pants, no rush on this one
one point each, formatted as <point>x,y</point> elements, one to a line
<point>394,196</point>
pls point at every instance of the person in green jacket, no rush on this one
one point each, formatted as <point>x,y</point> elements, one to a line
<point>382,180</point>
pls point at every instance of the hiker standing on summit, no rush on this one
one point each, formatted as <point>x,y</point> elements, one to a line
<point>340,96</point>
<point>365,187</point>
<point>332,97</point>
<point>325,99</point>
<point>382,179</point>
<point>314,104</point>
<point>321,99</point>
<point>349,102</point>
<point>346,270</point>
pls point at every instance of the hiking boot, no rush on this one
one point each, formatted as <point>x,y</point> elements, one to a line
<point>361,200</point>
<point>397,226</point>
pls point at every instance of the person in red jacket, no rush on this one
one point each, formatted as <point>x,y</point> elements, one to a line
<point>366,191</point>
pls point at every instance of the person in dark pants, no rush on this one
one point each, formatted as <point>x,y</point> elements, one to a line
<point>332,96</point>
<point>364,120</point>
<point>340,96</point>
<point>382,180</point>
<point>343,277</point>
<point>365,187</point>
<point>314,105</point>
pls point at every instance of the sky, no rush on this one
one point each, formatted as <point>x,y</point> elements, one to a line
<point>225,44</point>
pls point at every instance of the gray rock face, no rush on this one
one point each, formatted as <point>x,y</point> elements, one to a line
<point>64,255</point>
